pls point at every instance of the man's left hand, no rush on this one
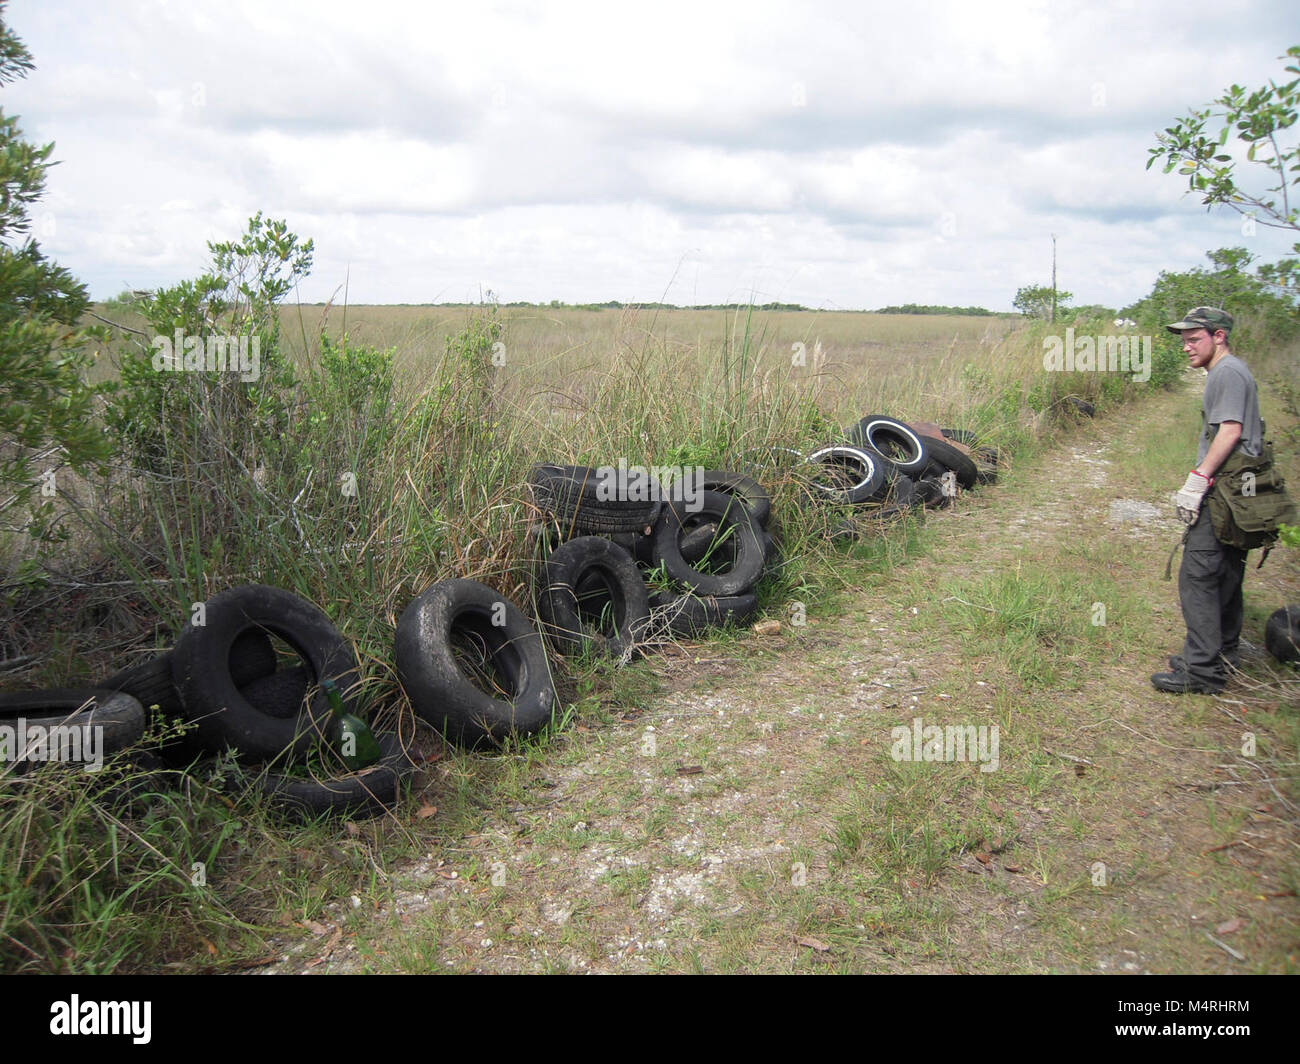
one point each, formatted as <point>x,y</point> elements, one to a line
<point>1191,495</point>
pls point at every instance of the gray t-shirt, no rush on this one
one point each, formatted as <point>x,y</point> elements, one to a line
<point>1230,396</point>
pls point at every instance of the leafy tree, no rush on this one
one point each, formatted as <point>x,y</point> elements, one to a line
<point>1260,119</point>
<point>1229,285</point>
<point>1036,301</point>
<point>239,296</point>
<point>44,401</point>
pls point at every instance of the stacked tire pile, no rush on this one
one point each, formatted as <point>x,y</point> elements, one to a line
<point>225,679</point>
<point>888,467</point>
<point>709,539</point>
<point>471,663</point>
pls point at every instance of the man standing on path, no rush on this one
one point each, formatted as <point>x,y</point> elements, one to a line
<point>1209,580</point>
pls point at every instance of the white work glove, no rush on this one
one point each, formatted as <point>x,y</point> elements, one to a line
<point>1189,497</point>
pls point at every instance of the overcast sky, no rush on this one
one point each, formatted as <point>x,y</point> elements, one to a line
<point>835,154</point>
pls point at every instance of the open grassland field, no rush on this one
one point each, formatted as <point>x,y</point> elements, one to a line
<point>555,347</point>
<point>553,359</point>
<point>767,827</point>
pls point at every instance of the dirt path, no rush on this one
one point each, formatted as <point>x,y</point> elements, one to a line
<point>751,816</point>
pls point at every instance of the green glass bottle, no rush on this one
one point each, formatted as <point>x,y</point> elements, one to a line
<point>353,739</point>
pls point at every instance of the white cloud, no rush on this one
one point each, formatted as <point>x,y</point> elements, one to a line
<point>838,154</point>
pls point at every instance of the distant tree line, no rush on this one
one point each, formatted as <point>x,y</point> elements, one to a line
<point>614,304</point>
<point>924,308</point>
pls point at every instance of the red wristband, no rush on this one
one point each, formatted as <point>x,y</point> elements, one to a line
<point>1208,480</point>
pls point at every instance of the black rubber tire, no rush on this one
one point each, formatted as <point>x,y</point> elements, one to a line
<point>749,490</point>
<point>696,542</point>
<point>211,698</point>
<point>898,442</point>
<point>1082,406</point>
<point>251,657</point>
<point>572,495</point>
<point>944,456</point>
<point>866,473</point>
<point>929,491</point>
<point>626,540</point>
<point>691,615</point>
<point>695,545</point>
<point>591,566</point>
<point>643,549</point>
<point>905,492</point>
<point>1282,634</point>
<point>150,682</point>
<point>442,694</point>
<point>372,791</point>
<point>961,436</point>
<point>735,521</point>
<point>638,544</point>
<point>280,694</point>
<point>120,715</point>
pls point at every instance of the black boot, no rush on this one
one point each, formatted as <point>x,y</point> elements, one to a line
<point>1180,683</point>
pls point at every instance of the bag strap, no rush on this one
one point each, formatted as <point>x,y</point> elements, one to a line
<point>1169,565</point>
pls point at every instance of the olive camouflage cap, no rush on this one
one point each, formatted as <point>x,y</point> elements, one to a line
<point>1209,318</point>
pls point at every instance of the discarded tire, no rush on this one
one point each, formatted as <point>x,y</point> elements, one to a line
<point>370,792</point>
<point>210,696</point>
<point>119,715</point>
<point>462,615</point>
<point>150,682</point>
<point>590,583</point>
<point>697,544</point>
<point>691,615</point>
<point>893,439</point>
<point>280,694</point>
<point>944,457</point>
<point>905,492</point>
<point>1081,406</point>
<point>856,474</point>
<point>581,501</point>
<point>747,489</point>
<point>734,521</point>
<point>1282,634</point>
<point>929,491</point>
